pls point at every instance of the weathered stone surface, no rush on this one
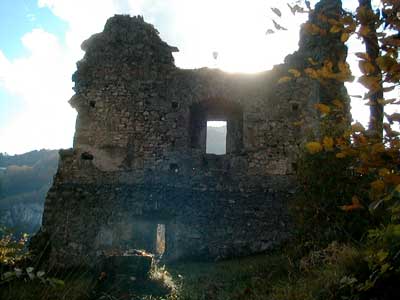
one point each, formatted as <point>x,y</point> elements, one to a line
<point>315,50</point>
<point>139,156</point>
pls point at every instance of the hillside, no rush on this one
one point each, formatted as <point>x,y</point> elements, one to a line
<point>24,181</point>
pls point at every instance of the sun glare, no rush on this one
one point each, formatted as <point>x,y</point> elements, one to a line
<point>216,123</point>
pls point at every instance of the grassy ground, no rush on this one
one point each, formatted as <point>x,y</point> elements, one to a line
<point>274,276</point>
<point>246,278</point>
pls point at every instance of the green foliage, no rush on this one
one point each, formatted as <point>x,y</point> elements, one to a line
<point>77,288</point>
<point>19,280</point>
<point>12,249</point>
<point>350,192</point>
<point>350,177</point>
<point>327,184</point>
<point>381,253</point>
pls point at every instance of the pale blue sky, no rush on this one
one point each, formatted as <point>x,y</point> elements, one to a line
<point>40,44</point>
<point>17,17</point>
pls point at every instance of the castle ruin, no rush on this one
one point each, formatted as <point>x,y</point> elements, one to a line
<point>139,176</point>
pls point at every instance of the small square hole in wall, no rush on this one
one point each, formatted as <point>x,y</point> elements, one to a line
<point>216,137</point>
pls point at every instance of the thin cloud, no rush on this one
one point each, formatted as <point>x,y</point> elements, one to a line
<point>42,81</point>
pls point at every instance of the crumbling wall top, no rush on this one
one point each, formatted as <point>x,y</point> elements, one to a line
<point>316,46</point>
<point>125,43</point>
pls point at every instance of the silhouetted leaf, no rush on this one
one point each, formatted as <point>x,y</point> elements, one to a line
<point>278,26</point>
<point>276,11</point>
<point>269,31</point>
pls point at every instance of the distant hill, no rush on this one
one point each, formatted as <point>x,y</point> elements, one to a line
<point>26,159</point>
<point>24,182</point>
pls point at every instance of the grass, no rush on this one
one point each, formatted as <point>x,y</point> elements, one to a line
<point>32,290</point>
<point>274,276</point>
<point>245,278</point>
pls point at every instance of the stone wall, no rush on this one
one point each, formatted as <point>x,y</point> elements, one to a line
<point>139,159</point>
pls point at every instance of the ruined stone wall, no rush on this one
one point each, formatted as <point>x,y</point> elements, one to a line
<point>139,158</point>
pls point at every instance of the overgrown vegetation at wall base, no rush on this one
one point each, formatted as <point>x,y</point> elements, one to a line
<point>351,178</point>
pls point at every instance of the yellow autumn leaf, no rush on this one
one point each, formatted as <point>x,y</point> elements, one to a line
<point>377,185</point>
<point>311,72</point>
<point>366,67</point>
<point>347,133</point>
<point>311,28</point>
<point>335,29</point>
<point>355,204</point>
<point>345,72</point>
<point>384,102</point>
<point>344,67</point>
<point>313,62</point>
<point>294,72</point>
<point>385,62</point>
<point>338,103</point>
<point>328,143</point>
<point>328,66</point>
<point>347,20</point>
<point>323,108</point>
<point>364,14</point>
<point>361,139</point>
<point>313,147</point>
<point>333,22</point>
<point>351,27</point>
<point>362,170</point>
<point>344,37</point>
<point>393,117</point>
<point>384,172</point>
<point>284,79</point>
<point>370,82</point>
<point>342,142</point>
<point>340,155</point>
<point>378,148</point>
<point>362,55</point>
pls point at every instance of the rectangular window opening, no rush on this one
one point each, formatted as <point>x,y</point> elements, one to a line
<point>216,137</point>
<point>160,240</point>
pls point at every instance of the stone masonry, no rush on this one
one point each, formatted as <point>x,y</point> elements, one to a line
<point>139,169</point>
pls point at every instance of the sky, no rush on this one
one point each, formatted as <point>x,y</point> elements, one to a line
<point>40,45</point>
